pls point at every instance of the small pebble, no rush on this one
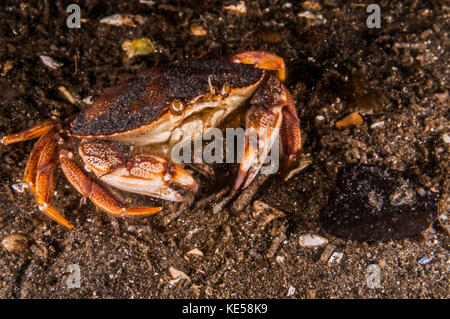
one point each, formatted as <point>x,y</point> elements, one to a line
<point>354,119</point>
<point>446,138</point>
<point>7,67</point>
<point>198,30</point>
<point>280,259</point>
<point>15,244</point>
<point>66,93</point>
<point>311,5</point>
<point>291,291</point>
<point>312,240</point>
<point>377,124</point>
<point>195,251</point>
<point>178,274</point>
<point>88,100</point>
<point>142,46</point>
<point>238,8</point>
<point>51,63</point>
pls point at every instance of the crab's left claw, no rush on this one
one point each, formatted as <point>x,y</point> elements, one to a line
<point>272,115</point>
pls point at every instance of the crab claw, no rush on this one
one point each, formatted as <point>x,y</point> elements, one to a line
<point>262,133</point>
<point>152,175</point>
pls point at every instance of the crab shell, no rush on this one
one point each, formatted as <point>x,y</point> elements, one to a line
<point>141,111</point>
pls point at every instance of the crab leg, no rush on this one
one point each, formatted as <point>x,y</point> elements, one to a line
<point>32,164</point>
<point>29,134</point>
<point>263,60</point>
<point>96,193</point>
<point>45,179</point>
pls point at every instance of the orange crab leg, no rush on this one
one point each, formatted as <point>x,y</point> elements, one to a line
<point>34,132</point>
<point>29,177</point>
<point>97,194</point>
<point>45,180</point>
<point>291,140</point>
<point>263,60</point>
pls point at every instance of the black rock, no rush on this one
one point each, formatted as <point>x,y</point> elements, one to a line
<point>374,203</point>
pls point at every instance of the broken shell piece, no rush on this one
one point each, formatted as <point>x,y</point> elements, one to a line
<point>142,46</point>
<point>312,240</point>
<point>195,251</point>
<point>269,213</point>
<point>178,274</point>
<point>354,119</point>
<point>15,244</point>
<point>291,291</point>
<point>238,8</point>
<point>66,93</point>
<point>124,19</point>
<point>311,5</point>
<point>51,63</point>
<point>260,207</point>
<point>198,30</point>
<point>335,258</point>
<point>7,67</point>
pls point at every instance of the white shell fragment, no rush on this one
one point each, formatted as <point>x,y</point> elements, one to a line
<point>195,251</point>
<point>312,240</point>
<point>15,244</point>
<point>377,124</point>
<point>124,19</point>
<point>291,291</point>
<point>335,258</point>
<point>238,8</point>
<point>178,274</point>
<point>67,95</point>
<point>50,62</point>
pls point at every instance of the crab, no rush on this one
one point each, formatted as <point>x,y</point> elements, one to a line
<point>119,139</point>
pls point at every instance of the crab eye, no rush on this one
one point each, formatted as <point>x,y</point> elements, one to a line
<point>225,89</point>
<point>177,107</point>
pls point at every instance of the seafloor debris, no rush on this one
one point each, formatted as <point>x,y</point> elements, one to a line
<point>7,67</point>
<point>198,30</point>
<point>142,46</point>
<point>238,8</point>
<point>124,19</point>
<point>373,203</point>
<point>195,251</point>
<point>178,274</point>
<point>312,240</point>
<point>311,5</point>
<point>15,244</point>
<point>335,258</point>
<point>354,119</point>
<point>67,94</point>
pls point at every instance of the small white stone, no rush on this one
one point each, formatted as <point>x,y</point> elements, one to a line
<point>178,274</point>
<point>335,258</point>
<point>320,118</point>
<point>48,61</point>
<point>446,138</point>
<point>280,259</point>
<point>312,240</point>
<point>291,291</point>
<point>88,100</point>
